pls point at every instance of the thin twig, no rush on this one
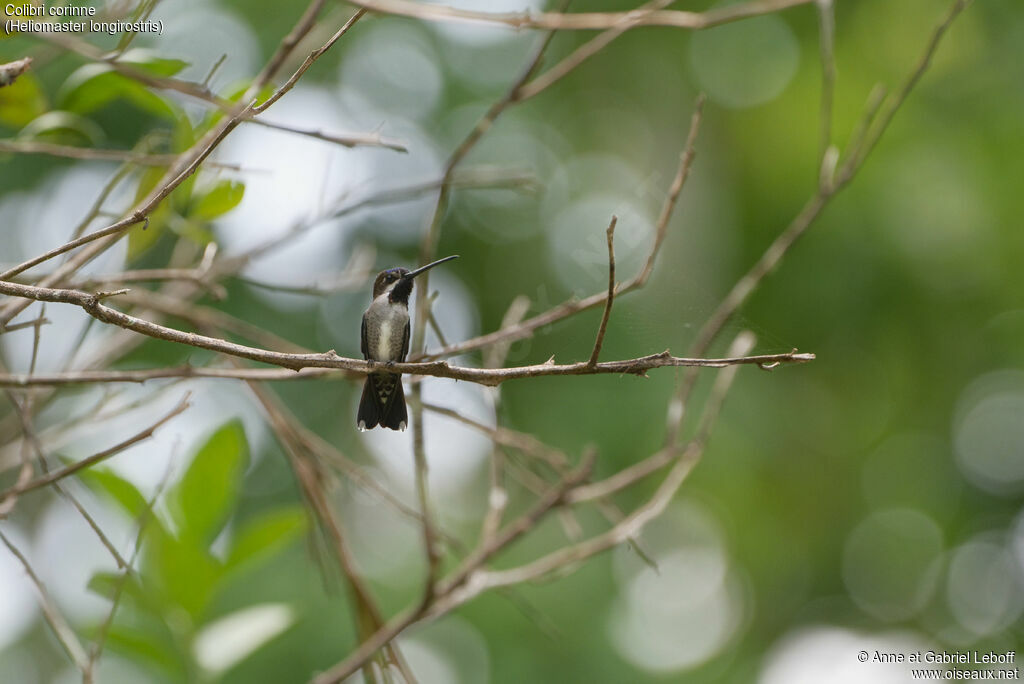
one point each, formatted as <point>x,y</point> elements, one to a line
<point>441,369</point>
<point>102,377</point>
<point>187,164</point>
<point>343,139</point>
<point>796,229</point>
<point>857,155</point>
<point>582,21</point>
<point>599,341</point>
<point>629,527</point>
<point>826,41</point>
<point>89,461</point>
<point>312,57</point>
<point>486,376</point>
<point>95,154</point>
<point>428,245</point>
<point>588,50</point>
<point>310,481</point>
<point>34,323</point>
<point>523,329</point>
<point>399,623</point>
<point>430,546</point>
<point>31,440</point>
<point>192,275</point>
<point>61,629</point>
<point>142,523</point>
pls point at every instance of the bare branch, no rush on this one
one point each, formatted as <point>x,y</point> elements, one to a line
<point>430,547</point>
<point>658,460</point>
<point>588,50</point>
<point>34,323</point>
<point>193,275</point>
<point>92,377</point>
<point>31,440</point>
<point>313,56</point>
<point>398,624</point>
<point>90,461</point>
<point>508,334</point>
<point>311,481</point>
<point>583,21</point>
<point>101,636</point>
<point>93,154</point>
<point>428,245</point>
<point>610,298</point>
<point>25,473</point>
<point>855,159</point>
<point>10,71</point>
<point>61,629</point>
<point>497,354</point>
<point>497,498</point>
<point>632,524</point>
<point>343,139</point>
<point>826,40</point>
<point>522,441</point>
<point>187,164</point>
<point>877,127</point>
<point>489,376</point>
<point>90,303</point>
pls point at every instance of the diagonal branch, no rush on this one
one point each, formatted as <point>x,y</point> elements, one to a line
<point>526,328</point>
<point>61,629</point>
<point>187,164</point>
<point>90,461</point>
<point>825,191</point>
<point>630,526</point>
<point>582,21</point>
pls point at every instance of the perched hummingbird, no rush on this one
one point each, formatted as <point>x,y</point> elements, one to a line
<point>385,337</point>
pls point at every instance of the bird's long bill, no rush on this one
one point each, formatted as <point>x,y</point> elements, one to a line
<point>412,274</point>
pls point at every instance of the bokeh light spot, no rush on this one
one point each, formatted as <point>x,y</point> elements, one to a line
<point>989,433</point>
<point>983,589</point>
<point>890,563</point>
<point>745,63</point>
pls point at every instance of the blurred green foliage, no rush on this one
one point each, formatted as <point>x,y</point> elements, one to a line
<point>908,289</point>
<point>165,604</point>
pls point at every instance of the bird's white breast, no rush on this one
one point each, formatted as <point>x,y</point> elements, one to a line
<point>385,326</point>
<point>383,335</point>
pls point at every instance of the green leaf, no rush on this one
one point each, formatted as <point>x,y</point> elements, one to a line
<point>22,101</point>
<point>62,127</point>
<point>224,197</point>
<point>104,584</point>
<point>195,231</point>
<point>156,649</point>
<point>94,86</point>
<point>123,492</point>
<point>108,584</point>
<point>267,534</point>
<point>181,573</point>
<point>151,62</point>
<point>206,495</point>
<point>143,236</point>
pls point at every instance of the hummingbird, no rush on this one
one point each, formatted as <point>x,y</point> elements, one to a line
<point>385,337</point>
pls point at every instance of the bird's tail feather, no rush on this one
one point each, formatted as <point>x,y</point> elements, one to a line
<point>368,416</point>
<point>382,403</point>
<point>397,417</point>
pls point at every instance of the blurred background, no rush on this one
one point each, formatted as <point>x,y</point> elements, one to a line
<point>868,500</point>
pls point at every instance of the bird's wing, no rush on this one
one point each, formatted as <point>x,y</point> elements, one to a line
<point>362,338</point>
<point>405,341</point>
